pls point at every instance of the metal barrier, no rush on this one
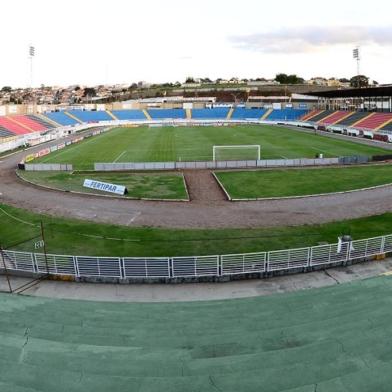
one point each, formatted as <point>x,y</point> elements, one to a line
<point>123,268</point>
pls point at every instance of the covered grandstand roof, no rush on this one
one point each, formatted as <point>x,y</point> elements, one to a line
<point>382,91</point>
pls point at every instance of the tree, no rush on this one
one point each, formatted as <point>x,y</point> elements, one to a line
<point>6,89</point>
<point>344,80</point>
<point>189,79</point>
<point>359,81</point>
<point>288,79</point>
<point>89,92</point>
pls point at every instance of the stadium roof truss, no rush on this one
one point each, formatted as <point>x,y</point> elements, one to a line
<point>378,97</point>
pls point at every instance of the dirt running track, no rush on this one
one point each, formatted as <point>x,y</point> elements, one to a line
<point>208,208</point>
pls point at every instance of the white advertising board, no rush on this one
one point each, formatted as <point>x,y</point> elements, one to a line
<point>105,187</point>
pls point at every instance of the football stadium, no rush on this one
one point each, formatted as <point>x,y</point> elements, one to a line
<point>225,234</point>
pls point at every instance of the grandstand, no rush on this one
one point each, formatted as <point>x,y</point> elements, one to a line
<point>13,125</point>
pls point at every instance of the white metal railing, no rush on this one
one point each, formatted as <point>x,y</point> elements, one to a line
<point>194,266</point>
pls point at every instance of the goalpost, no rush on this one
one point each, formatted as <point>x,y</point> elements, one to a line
<point>236,153</point>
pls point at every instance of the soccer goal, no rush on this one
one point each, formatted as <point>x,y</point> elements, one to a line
<point>236,153</point>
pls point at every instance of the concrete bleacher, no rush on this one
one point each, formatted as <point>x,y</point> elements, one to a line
<point>375,121</point>
<point>132,114</point>
<point>13,126</point>
<point>245,114</point>
<point>162,114</point>
<point>320,116</point>
<point>354,118</point>
<point>5,132</point>
<point>210,114</point>
<point>30,123</point>
<point>335,117</point>
<point>61,118</point>
<point>387,127</point>
<point>88,116</point>
<point>41,121</point>
<point>286,114</point>
<point>334,338</point>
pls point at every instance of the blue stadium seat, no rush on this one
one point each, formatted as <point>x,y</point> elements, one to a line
<point>161,114</point>
<point>61,118</point>
<point>210,114</point>
<point>91,116</point>
<point>286,114</point>
<point>244,113</point>
<point>129,114</point>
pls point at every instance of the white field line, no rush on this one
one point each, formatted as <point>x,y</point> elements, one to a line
<point>319,149</point>
<point>66,149</point>
<point>119,156</point>
<point>108,238</point>
<point>17,219</point>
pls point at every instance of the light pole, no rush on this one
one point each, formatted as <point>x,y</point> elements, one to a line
<point>31,56</point>
<point>357,57</point>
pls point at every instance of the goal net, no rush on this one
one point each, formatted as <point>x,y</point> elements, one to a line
<point>236,153</point>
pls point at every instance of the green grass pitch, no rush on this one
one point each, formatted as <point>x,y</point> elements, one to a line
<point>255,184</point>
<point>145,144</point>
<point>148,185</point>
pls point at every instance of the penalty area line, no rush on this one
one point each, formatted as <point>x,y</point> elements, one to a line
<point>119,156</point>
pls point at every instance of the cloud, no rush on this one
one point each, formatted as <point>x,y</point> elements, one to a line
<point>308,39</point>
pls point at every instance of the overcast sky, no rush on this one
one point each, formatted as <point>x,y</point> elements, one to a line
<point>123,41</point>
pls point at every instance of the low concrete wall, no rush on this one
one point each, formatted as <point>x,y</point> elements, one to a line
<point>48,167</point>
<point>215,164</point>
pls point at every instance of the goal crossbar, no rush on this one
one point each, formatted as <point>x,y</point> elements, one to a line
<point>236,147</point>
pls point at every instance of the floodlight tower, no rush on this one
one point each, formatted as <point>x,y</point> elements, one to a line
<point>31,56</point>
<point>357,57</point>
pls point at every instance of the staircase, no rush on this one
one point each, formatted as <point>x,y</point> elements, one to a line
<point>48,120</point>
<point>148,117</point>
<point>73,117</point>
<point>111,115</point>
<point>384,125</point>
<point>230,114</point>
<point>266,114</point>
<point>189,114</point>
<point>309,115</point>
<point>363,119</point>
<point>349,114</point>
